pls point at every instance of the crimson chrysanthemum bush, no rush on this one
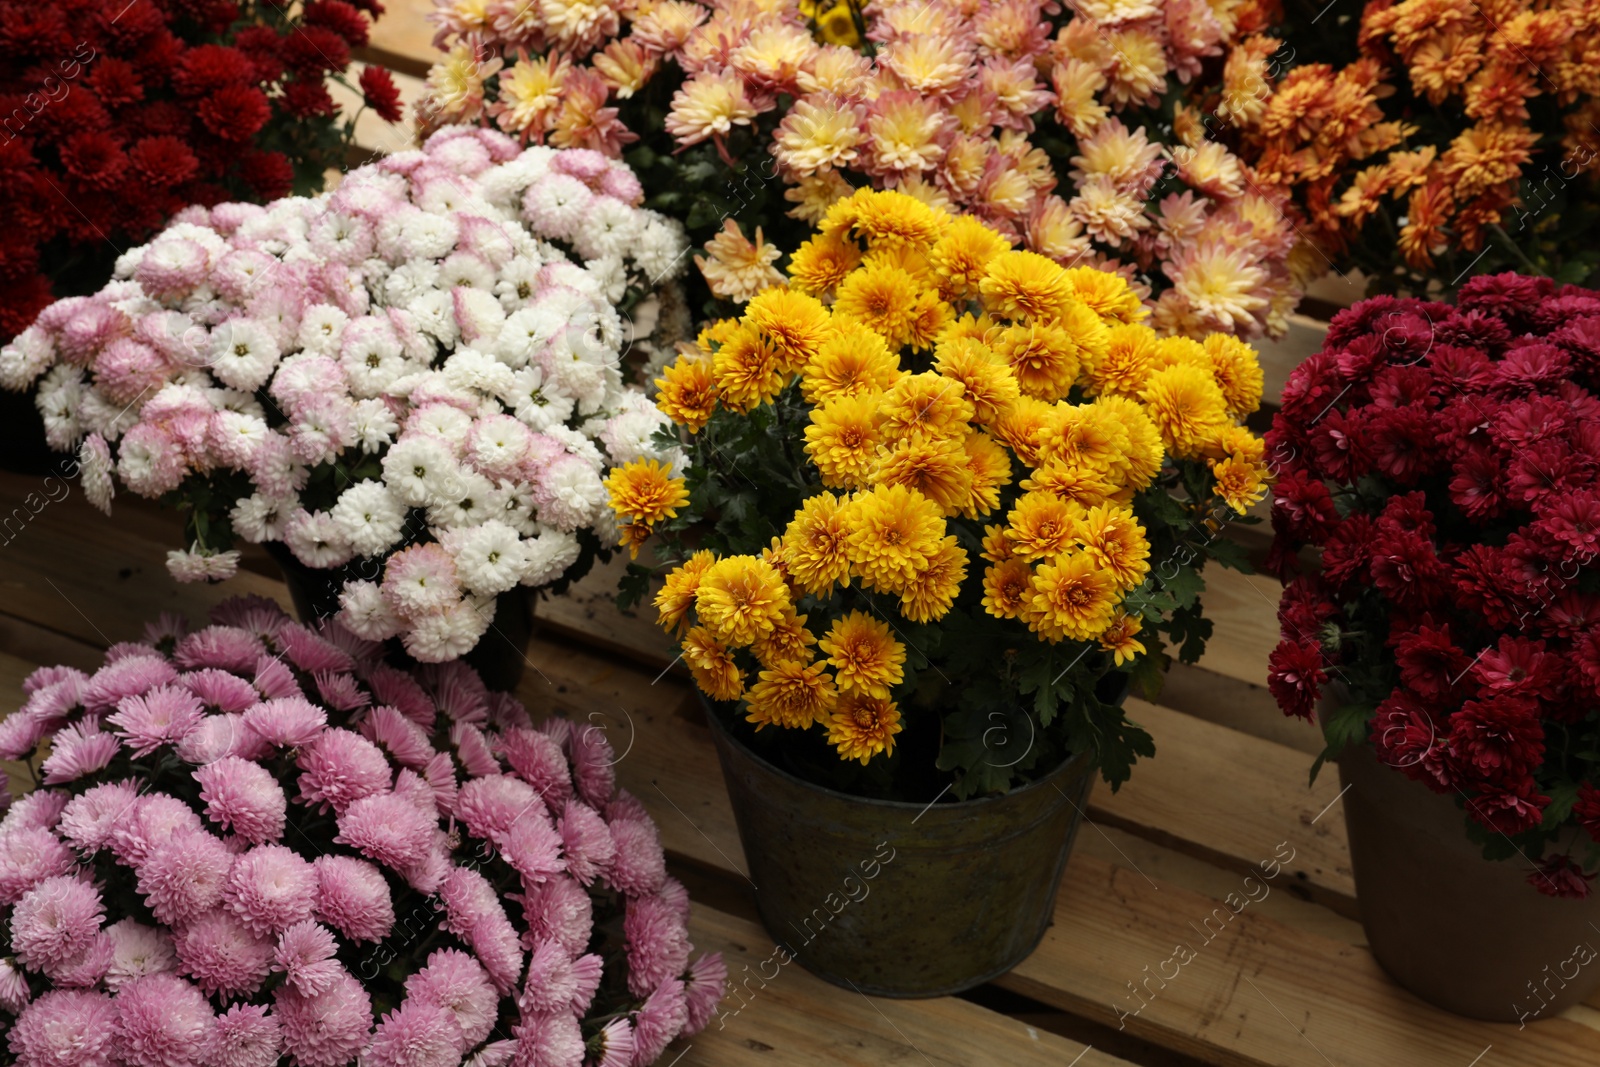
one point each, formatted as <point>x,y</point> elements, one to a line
<point>1444,462</point>
<point>257,843</point>
<point>114,116</point>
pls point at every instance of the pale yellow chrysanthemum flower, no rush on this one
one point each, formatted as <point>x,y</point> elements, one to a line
<point>735,268</point>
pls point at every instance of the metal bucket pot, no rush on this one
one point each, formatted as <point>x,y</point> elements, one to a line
<point>899,899</point>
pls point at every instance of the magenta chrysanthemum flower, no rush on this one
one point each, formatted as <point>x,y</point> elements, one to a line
<point>388,829</point>
<point>28,857</point>
<point>161,1021</point>
<point>639,866</point>
<point>55,921</point>
<point>185,875</point>
<point>271,888</point>
<point>339,768</point>
<point>163,716</point>
<point>226,648</point>
<point>399,690</point>
<point>305,956</point>
<point>418,1034</point>
<point>65,1028</point>
<point>562,911</point>
<point>137,950</point>
<point>219,690</point>
<point>76,750</point>
<point>353,898</point>
<point>550,1040</point>
<point>538,760</point>
<point>287,722</point>
<point>454,981</point>
<point>491,805</point>
<point>660,1019</point>
<point>404,739</point>
<point>585,842</point>
<point>326,1030</point>
<point>243,797</point>
<point>157,818</point>
<point>245,1036</point>
<point>658,944</point>
<point>125,678</point>
<point>89,818</point>
<point>223,955</point>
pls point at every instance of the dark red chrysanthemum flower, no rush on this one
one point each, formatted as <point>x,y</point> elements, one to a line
<point>1497,740</point>
<point>315,49</point>
<point>1475,486</point>
<point>1586,809</point>
<point>25,298</point>
<point>209,67</point>
<point>115,81</point>
<point>381,94</point>
<point>270,174</point>
<point>235,112</point>
<point>261,46</point>
<point>1430,662</point>
<point>1559,876</point>
<point>1573,519</point>
<point>1295,675</point>
<point>308,99</point>
<point>339,17</point>
<point>1403,442</point>
<point>94,159</point>
<point>1509,811</point>
<point>1407,738</point>
<point>163,161</point>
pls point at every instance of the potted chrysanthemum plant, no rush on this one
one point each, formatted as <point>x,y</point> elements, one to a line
<point>257,842</point>
<point>947,501</point>
<point>1437,509</point>
<point>407,389</point>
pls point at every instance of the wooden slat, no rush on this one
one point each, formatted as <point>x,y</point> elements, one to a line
<point>402,39</point>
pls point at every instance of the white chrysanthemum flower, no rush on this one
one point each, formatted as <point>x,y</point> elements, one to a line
<point>466,269</point>
<point>259,518</point>
<point>242,353</point>
<point>375,425</point>
<point>369,517</point>
<point>444,421</point>
<point>95,467</point>
<point>236,437</point>
<point>537,403</point>
<point>202,565</point>
<point>429,235</point>
<point>513,505</point>
<point>611,229</point>
<point>25,358</point>
<point>59,398</point>
<point>577,496</point>
<point>373,362</point>
<point>548,556</point>
<point>557,205</point>
<point>471,369</point>
<point>449,634</point>
<point>316,539</point>
<point>417,467</point>
<point>489,558</point>
<point>662,250</point>
<point>365,613</point>
<point>320,329</point>
<point>435,312</point>
<point>479,316</point>
<point>410,280</point>
<point>470,500</point>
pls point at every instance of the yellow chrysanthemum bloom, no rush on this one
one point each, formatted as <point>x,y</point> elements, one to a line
<point>926,404</point>
<point>933,588</point>
<point>911,258</point>
<point>820,264</point>
<point>1145,449</point>
<point>864,655</point>
<point>1022,427</point>
<point>1007,588</point>
<point>936,467</point>
<point>793,322</point>
<point>746,369</point>
<point>884,299</point>
<point>1113,538</point>
<point>1126,364</point>
<point>1240,482</point>
<point>1026,286</point>
<point>713,334</point>
<point>1237,442</point>
<point>789,640</point>
<point>893,532</point>
<point>712,665</point>
<point>1072,599</point>
<point>862,726</point>
<point>1084,487</point>
<point>1045,357</point>
<point>890,217</point>
<point>996,545</point>
<point>740,598</point>
<point>1238,373</point>
<point>1106,294</point>
<point>929,320</point>
<point>1085,435</point>
<point>986,381</point>
<point>1042,525</point>
<point>644,492</point>
<point>852,360</point>
<point>1121,638</point>
<point>1187,407</point>
<point>990,465</point>
<point>967,327</point>
<point>843,439</point>
<point>1181,351</point>
<point>816,546</point>
<point>961,258</point>
<point>686,392</point>
<point>677,593</point>
<point>791,694</point>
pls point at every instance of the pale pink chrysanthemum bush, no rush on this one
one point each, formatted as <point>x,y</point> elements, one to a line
<point>257,843</point>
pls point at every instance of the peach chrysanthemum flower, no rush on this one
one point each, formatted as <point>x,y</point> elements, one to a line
<point>579,25</point>
<point>1125,156</point>
<point>1107,212</point>
<point>814,194</point>
<point>455,86</point>
<point>626,67</point>
<point>903,134</point>
<point>932,66</point>
<point>1224,284</point>
<point>710,105</point>
<point>1078,86</point>
<point>734,267</point>
<point>1138,74</point>
<point>530,94</point>
<point>667,25</point>
<point>818,135</point>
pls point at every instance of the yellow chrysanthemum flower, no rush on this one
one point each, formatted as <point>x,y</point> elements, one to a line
<point>740,598</point>
<point>883,299</point>
<point>1072,598</point>
<point>985,379</point>
<point>1240,483</point>
<point>1026,286</point>
<point>843,439</point>
<point>1187,406</point>
<point>888,217</point>
<point>712,665</point>
<point>1126,364</point>
<point>864,655</point>
<point>990,465</point>
<point>961,258</point>
<point>816,545</point>
<point>936,467</point>
<point>929,320</point>
<point>1088,436</point>
<point>1237,442</point>
<point>862,726</point>
<point>926,404</point>
<point>793,322</point>
<point>644,492</point>
<point>820,264</point>
<point>1121,638</point>
<point>852,360</point>
<point>1106,294</point>
<point>1145,450</point>
<point>968,327</point>
<point>1022,426</point>
<point>996,545</point>
<point>1007,588</point>
<point>1084,487</point>
<point>746,369</point>
<point>1113,538</point>
<point>893,532</point>
<point>1181,351</point>
<point>791,694</point>
<point>789,640</point>
<point>677,593</point>
<point>911,258</point>
<point>1238,373</point>
<point>1042,525</point>
<point>713,334</point>
<point>1042,356</point>
<point>686,392</point>
<point>933,589</point>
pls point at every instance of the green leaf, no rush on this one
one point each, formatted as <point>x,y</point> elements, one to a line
<point>1184,586</point>
<point>1190,630</point>
<point>1562,796</point>
<point>1230,554</point>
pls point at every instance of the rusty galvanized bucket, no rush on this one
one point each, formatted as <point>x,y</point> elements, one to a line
<point>898,899</point>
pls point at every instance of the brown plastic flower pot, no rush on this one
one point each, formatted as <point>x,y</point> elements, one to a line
<point>1466,934</point>
<point>898,899</point>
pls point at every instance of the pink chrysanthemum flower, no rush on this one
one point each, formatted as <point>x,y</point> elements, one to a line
<point>353,898</point>
<point>459,691</point>
<point>65,1028</point>
<point>468,900</point>
<point>245,1036</point>
<point>185,875</point>
<point>388,829</point>
<point>399,690</point>
<point>55,921</point>
<point>704,986</point>
<point>44,677</point>
<point>476,756</point>
<point>341,692</point>
<point>287,722</point>
<point>255,614</point>
<point>551,983</point>
<point>222,955</point>
<point>271,888</point>
<point>274,680</point>
<point>223,647</point>
<point>673,893</point>
<point>222,735</point>
<point>660,1019</point>
<point>562,911</point>
<point>658,944</point>
<point>339,768</point>
<point>639,866</point>
<point>14,993</point>
<point>219,689</point>
<point>163,716</point>
<point>490,806</point>
<point>585,841</point>
<point>405,740</point>
<point>326,1030</point>
<point>311,653</point>
<point>550,1040</point>
<point>79,749</point>
<point>440,774</point>
<point>593,764</point>
<point>243,797</point>
<point>156,819</point>
<point>21,732</point>
<point>616,1041</point>
<point>419,1033</point>
<point>85,969</point>
<point>538,760</point>
<point>39,810</point>
<point>137,950</point>
<point>455,982</point>
<point>161,1020</point>
<point>533,848</point>
<point>420,580</point>
<point>305,956</point>
<point>168,626</point>
<point>125,678</point>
